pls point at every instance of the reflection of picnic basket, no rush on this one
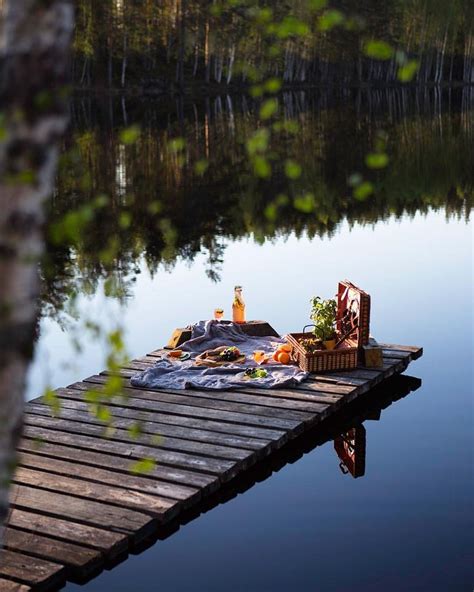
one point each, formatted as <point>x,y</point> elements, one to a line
<point>352,330</point>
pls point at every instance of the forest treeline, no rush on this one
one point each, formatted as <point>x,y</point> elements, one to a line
<point>165,45</point>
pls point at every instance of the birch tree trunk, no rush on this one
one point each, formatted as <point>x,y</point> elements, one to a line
<point>124,61</point>
<point>34,49</point>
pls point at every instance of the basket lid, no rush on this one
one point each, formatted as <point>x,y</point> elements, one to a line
<point>353,313</point>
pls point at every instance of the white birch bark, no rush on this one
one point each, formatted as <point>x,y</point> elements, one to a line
<point>35,43</point>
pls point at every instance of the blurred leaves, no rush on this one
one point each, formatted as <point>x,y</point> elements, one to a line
<point>363,191</point>
<point>143,466</point>
<point>378,50</point>
<point>268,108</point>
<point>305,203</point>
<point>51,399</point>
<point>376,160</point>
<point>408,71</point>
<point>258,141</point>
<point>130,134</point>
<point>330,19</point>
<point>292,169</point>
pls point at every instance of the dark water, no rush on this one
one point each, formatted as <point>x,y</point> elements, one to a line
<point>406,524</point>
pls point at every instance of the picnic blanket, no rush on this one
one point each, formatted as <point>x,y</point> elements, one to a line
<point>175,374</point>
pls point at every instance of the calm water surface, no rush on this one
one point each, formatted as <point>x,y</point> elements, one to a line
<point>407,523</point>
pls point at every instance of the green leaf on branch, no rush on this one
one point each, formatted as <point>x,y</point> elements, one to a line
<point>282,200</point>
<point>135,430</point>
<point>143,466</point>
<point>292,169</point>
<point>376,160</point>
<point>408,71</point>
<point>130,135</point>
<point>201,167</point>
<point>256,90</point>
<point>263,15</point>
<point>92,396</point>
<point>271,212</point>
<point>317,4</point>
<point>155,207</point>
<point>113,386</point>
<point>305,203</point>
<point>103,413</point>
<point>291,25</point>
<point>125,219</point>
<point>177,144</point>
<point>378,50</point>
<point>330,19</point>
<point>261,167</point>
<point>258,141</point>
<point>52,400</point>
<point>363,191</point>
<point>268,108</point>
<point>272,85</point>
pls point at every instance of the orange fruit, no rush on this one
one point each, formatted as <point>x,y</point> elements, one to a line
<point>286,347</point>
<point>283,357</point>
<point>275,355</point>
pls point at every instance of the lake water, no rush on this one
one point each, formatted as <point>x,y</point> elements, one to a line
<point>407,523</point>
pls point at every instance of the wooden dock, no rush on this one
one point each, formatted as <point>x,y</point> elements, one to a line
<point>76,508</point>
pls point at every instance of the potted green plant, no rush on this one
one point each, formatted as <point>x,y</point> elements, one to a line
<point>323,315</point>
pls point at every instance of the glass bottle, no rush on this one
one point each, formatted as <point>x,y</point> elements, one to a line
<point>238,306</point>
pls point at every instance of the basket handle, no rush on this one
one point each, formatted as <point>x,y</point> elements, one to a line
<point>344,469</point>
<point>306,326</point>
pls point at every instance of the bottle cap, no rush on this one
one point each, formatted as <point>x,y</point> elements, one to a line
<point>238,288</point>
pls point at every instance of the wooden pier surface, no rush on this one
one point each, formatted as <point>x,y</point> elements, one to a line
<point>75,506</point>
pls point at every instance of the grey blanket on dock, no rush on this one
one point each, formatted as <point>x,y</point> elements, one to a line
<point>174,374</point>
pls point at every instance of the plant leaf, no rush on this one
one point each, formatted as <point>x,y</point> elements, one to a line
<point>378,50</point>
<point>376,160</point>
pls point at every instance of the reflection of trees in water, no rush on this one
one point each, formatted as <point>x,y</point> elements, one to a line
<point>174,213</point>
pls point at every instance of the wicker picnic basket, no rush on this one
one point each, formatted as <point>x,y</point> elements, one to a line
<point>352,330</point>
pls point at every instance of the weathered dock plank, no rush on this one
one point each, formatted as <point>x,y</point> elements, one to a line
<point>122,435</point>
<point>192,409</point>
<point>10,586</point>
<point>127,420</point>
<point>31,571</point>
<point>86,511</point>
<point>159,507</point>
<point>79,561</point>
<point>75,505</point>
<point>188,495</point>
<point>122,464</point>
<point>170,421</point>
<point>111,545</point>
<point>225,469</point>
